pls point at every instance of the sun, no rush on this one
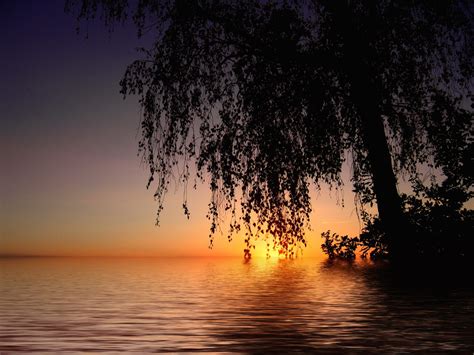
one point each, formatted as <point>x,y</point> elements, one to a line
<point>261,251</point>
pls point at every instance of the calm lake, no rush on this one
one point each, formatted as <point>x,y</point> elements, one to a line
<point>149,305</point>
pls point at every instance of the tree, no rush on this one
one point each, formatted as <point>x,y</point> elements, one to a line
<point>270,98</point>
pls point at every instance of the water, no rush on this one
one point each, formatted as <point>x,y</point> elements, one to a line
<point>148,305</point>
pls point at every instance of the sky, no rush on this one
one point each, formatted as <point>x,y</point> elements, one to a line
<point>71,182</point>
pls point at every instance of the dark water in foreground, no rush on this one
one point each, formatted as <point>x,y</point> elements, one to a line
<point>148,305</point>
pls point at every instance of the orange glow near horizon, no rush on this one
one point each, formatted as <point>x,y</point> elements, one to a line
<point>99,228</point>
<point>106,210</point>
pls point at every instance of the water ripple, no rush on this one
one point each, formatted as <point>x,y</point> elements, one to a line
<point>174,305</point>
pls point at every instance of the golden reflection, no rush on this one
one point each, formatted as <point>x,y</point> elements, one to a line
<point>220,304</point>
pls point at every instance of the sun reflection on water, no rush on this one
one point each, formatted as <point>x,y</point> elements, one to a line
<point>224,304</point>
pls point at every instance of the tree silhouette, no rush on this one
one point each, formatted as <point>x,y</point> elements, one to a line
<point>270,98</point>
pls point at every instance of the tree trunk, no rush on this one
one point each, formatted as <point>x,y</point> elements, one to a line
<point>389,203</point>
<point>359,63</point>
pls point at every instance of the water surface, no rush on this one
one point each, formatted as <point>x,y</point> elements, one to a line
<point>87,304</point>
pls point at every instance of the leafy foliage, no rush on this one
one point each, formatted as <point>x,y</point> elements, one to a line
<point>373,240</point>
<point>441,227</point>
<point>339,246</point>
<point>259,99</point>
